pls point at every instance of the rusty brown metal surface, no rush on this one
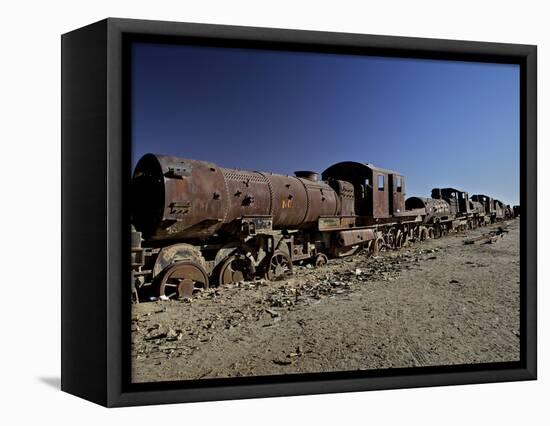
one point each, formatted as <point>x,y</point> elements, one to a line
<point>320,260</point>
<point>336,223</point>
<point>346,197</point>
<point>477,208</point>
<point>380,195</point>
<point>178,198</point>
<point>397,193</point>
<point>356,236</point>
<point>233,270</point>
<point>176,253</point>
<point>458,200</point>
<point>181,280</point>
<point>486,201</point>
<point>376,189</point>
<point>499,209</point>
<point>357,174</point>
<point>432,208</point>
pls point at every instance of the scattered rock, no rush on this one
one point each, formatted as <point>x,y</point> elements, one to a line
<point>273,313</point>
<point>156,336</point>
<point>282,361</point>
<point>172,334</point>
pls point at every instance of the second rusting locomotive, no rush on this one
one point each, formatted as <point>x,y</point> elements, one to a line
<point>197,224</point>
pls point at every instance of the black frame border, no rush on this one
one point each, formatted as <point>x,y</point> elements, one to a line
<point>96,93</point>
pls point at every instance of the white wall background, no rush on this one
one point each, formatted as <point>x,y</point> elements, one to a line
<point>30,210</point>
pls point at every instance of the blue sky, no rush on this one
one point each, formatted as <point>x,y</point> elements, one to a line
<point>440,123</point>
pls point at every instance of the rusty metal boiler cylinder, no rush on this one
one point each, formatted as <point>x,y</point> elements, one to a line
<point>177,198</point>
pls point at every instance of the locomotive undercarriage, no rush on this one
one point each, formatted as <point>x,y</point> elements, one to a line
<point>179,270</point>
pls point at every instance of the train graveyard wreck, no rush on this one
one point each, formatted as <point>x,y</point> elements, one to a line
<point>241,273</point>
<point>197,225</point>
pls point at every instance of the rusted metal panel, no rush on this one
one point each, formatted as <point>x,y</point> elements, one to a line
<point>335,223</point>
<point>177,198</point>
<point>354,237</point>
<point>508,212</point>
<point>477,208</point>
<point>248,194</point>
<point>360,176</point>
<point>290,206</point>
<point>322,200</point>
<point>176,253</point>
<point>431,207</point>
<point>346,196</point>
<point>397,193</point>
<point>252,225</point>
<point>486,201</point>
<point>458,200</point>
<point>380,194</point>
<point>499,209</point>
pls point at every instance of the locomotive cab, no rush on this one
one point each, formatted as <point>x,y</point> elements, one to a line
<point>379,193</point>
<point>458,200</point>
<point>486,201</point>
<point>499,209</point>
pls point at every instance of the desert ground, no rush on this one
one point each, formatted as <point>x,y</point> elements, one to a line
<point>439,302</point>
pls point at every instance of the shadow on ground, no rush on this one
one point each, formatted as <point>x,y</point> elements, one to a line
<point>54,382</point>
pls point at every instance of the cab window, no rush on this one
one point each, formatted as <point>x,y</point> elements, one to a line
<point>380,182</point>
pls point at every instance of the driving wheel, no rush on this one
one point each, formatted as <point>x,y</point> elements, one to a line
<point>279,264</point>
<point>181,280</point>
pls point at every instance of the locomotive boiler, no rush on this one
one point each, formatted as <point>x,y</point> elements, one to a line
<point>177,199</point>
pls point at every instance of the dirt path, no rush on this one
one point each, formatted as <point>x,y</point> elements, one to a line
<point>436,303</point>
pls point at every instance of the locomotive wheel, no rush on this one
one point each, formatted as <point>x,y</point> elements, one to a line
<point>399,239</point>
<point>181,280</point>
<point>390,239</point>
<point>233,270</point>
<point>378,246</point>
<point>423,234</point>
<point>320,260</point>
<point>279,264</point>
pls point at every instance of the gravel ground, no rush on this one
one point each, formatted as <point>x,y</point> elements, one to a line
<point>440,302</point>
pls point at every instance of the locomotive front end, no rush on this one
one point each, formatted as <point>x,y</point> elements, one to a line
<point>175,198</point>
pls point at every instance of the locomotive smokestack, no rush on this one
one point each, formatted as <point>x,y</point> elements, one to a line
<point>306,174</point>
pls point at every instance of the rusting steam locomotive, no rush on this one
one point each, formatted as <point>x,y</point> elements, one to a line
<point>197,224</point>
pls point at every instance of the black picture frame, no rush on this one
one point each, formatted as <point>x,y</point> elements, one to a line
<point>95,230</point>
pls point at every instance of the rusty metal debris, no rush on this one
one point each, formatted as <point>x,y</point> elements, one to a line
<point>488,238</point>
